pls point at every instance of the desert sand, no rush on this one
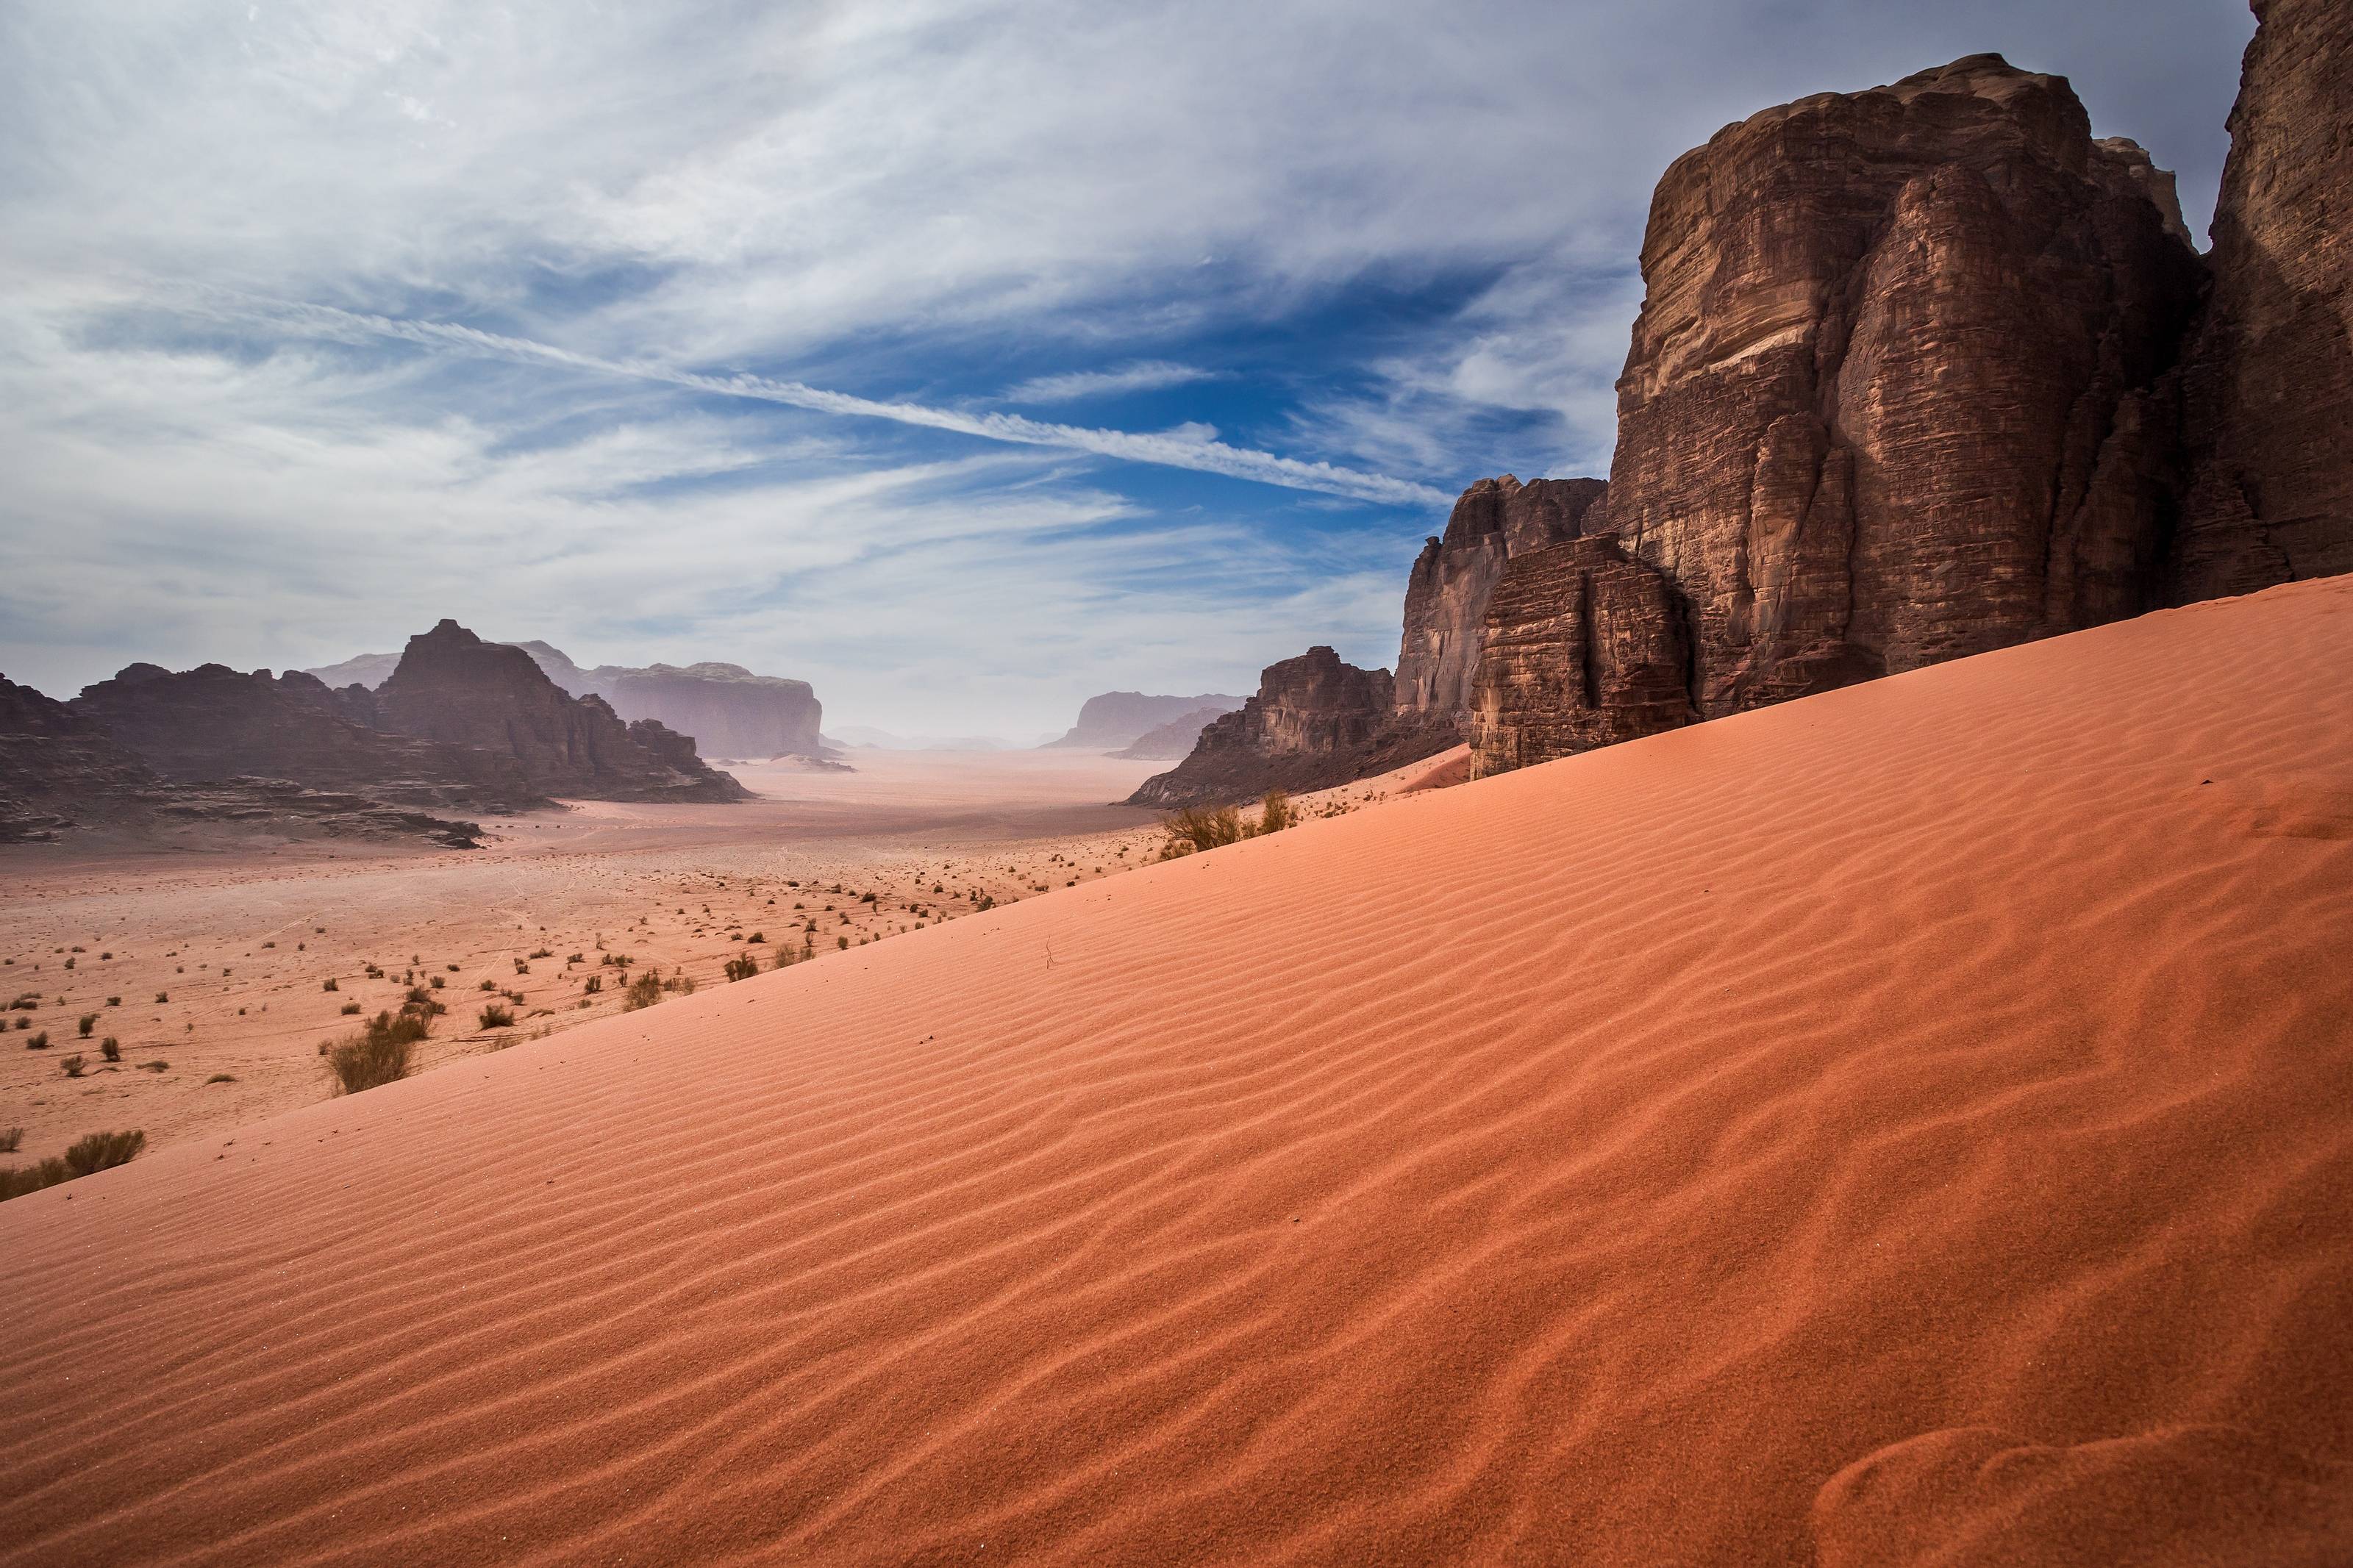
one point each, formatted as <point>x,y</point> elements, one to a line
<point>1906,1125</point>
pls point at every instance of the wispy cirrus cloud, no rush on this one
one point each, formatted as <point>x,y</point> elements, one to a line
<point>1072,386</point>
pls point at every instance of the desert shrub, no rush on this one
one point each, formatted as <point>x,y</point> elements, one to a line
<point>742,968</point>
<point>39,1042</point>
<point>115,1000</point>
<point>784,955</point>
<point>521,967</point>
<point>594,983</point>
<point>543,953</point>
<point>11,1140</point>
<point>681,984</point>
<point>220,1078</point>
<point>497,1016</point>
<point>111,1048</point>
<point>72,1065</point>
<point>85,1023</point>
<point>15,1182</point>
<point>379,1054</point>
<point>488,985</point>
<point>331,984</point>
<point>644,991</point>
<point>350,1009</point>
<point>841,944</point>
<point>1201,828</point>
<point>435,983</point>
<point>1276,812</point>
<point>756,936</point>
<point>103,1151</point>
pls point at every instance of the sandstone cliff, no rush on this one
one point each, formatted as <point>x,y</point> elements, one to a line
<point>212,722</point>
<point>2268,391</point>
<point>1315,722</point>
<point>1446,595</point>
<point>726,709</point>
<point>1582,646</point>
<point>1118,719</point>
<point>60,775</point>
<point>1889,399</point>
<point>451,686</point>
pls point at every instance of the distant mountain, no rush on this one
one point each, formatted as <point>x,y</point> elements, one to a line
<point>1119,719</point>
<point>1172,742</point>
<point>724,709</point>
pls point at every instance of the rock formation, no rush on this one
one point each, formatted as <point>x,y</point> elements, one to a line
<point>212,722</point>
<point>1117,718</point>
<point>2268,389</point>
<point>1582,646</point>
<point>728,711</point>
<point>60,774</point>
<point>1891,396</point>
<point>1174,741</point>
<point>1446,597</point>
<point>453,687</point>
<point>1315,722</point>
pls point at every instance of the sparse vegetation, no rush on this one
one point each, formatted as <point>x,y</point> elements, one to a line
<point>350,1009</point>
<point>39,1042</point>
<point>111,1048</point>
<point>331,984</point>
<point>742,968</point>
<point>95,1152</point>
<point>644,991</point>
<point>220,1078</point>
<point>593,984</point>
<point>379,1054</point>
<point>72,1065</point>
<point>85,1023</point>
<point>11,1140</point>
<point>497,1016</point>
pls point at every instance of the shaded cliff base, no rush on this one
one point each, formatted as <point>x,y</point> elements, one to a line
<point>1901,1126</point>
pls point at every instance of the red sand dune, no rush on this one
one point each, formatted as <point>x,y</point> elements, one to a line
<point>1910,1125</point>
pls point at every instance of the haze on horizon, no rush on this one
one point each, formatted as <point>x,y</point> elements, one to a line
<point>961,359</point>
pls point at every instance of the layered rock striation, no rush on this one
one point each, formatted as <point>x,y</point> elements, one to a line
<point>1893,394</point>
<point>2267,394</point>
<point>1582,646</point>
<point>1315,722</point>
<point>1446,595</point>
<point>453,687</point>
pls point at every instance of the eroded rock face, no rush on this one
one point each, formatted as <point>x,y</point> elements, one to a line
<point>726,709</point>
<point>453,687</point>
<point>1315,722</point>
<point>61,775</point>
<point>2268,390</point>
<point>1894,396</point>
<point>1446,597</point>
<point>212,722</point>
<point>1174,741</point>
<point>1582,646</point>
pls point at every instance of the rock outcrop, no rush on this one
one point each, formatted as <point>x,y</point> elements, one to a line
<point>2268,389</point>
<point>1117,718</point>
<point>1315,722</point>
<point>61,775</point>
<point>1446,595</point>
<point>453,687</point>
<point>212,722</point>
<point>1894,393</point>
<point>728,711</point>
<point>1582,646</point>
<point>1174,741</point>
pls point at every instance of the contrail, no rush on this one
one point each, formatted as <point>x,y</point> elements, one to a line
<point>1168,451</point>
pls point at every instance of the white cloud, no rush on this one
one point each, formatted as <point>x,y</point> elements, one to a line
<point>1070,386</point>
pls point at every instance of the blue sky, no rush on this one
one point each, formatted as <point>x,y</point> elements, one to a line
<point>964,359</point>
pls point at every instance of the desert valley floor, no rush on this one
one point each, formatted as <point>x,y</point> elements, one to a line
<point>1906,1125</point>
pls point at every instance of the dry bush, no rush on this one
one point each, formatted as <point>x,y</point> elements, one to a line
<point>382,1053</point>
<point>1276,812</point>
<point>496,1017</point>
<point>1197,828</point>
<point>72,1065</point>
<point>742,968</point>
<point>103,1150</point>
<point>111,1048</point>
<point>644,991</point>
<point>11,1140</point>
